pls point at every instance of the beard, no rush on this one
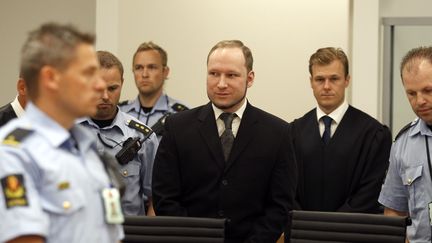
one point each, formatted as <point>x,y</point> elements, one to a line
<point>230,104</point>
<point>106,114</point>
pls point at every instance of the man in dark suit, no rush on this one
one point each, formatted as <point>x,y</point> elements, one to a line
<point>197,174</point>
<point>15,108</point>
<point>342,153</point>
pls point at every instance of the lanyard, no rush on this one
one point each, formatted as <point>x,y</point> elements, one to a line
<point>428,157</point>
<point>430,169</point>
<point>148,117</point>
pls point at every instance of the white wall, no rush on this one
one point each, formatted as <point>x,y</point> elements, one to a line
<point>366,85</point>
<point>367,46</point>
<point>282,35</point>
<point>18,17</point>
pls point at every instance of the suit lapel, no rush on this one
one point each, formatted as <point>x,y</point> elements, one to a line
<point>244,135</point>
<point>208,130</point>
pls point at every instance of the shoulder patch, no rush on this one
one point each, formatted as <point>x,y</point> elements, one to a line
<point>14,190</point>
<point>405,128</point>
<point>139,127</point>
<point>16,136</point>
<point>179,107</point>
<point>125,102</point>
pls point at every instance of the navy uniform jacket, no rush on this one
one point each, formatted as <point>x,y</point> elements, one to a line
<point>254,189</point>
<point>346,174</point>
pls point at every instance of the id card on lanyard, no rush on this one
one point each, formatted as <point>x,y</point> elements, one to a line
<point>112,206</point>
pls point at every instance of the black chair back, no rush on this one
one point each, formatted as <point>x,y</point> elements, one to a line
<point>314,227</point>
<point>166,229</point>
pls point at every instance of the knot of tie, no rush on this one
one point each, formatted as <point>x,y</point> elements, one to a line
<point>327,128</point>
<point>227,137</point>
<point>227,118</point>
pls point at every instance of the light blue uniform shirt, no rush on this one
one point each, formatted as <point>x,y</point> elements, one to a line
<point>137,173</point>
<point>408,185</point>
<point>163,106</point>
<point>62,189</point>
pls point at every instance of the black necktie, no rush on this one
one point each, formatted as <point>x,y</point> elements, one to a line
<point>227,137</point>
<point>327,126</point>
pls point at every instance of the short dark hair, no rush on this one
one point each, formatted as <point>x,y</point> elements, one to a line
<point>415,54</point>
<point>325,56</point>
<point>108,60</point>
<point>235,44</point>
<point>51,44</point>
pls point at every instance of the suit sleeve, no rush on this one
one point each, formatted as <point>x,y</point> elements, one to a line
<point>292,136</point>
<point>281,194</point>
<point>166,185</point>
<point>364,197</point>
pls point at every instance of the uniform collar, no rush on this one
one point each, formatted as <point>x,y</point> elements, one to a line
<point>53,132</point>
<point>162,104</point>
<point>419,126</point>
<point>119,122</point>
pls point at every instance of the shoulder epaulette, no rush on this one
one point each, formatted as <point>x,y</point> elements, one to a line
<point>124,102</point>
<point>405,128</point>
<point>139,127</point>
<point>179,107</point>
<point>16,136</point>
<point>159,126</point>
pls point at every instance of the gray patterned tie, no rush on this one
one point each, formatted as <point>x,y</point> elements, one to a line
<point>227,137</point>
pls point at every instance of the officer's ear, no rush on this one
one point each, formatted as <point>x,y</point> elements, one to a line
<point>165,72</point>
<point>49,78</point>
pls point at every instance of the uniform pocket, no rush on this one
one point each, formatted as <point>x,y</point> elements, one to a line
<point>64,202</point>
<point>130,170</point>
<point>412,180</point>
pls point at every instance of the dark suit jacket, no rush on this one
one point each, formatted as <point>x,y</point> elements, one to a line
<point>346,174</point>
<point>7,113</point>
<point>254,190</point>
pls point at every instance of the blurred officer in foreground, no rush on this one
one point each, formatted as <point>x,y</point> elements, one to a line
<point>54,186</point>
<point>133,143</point>
<point>150,71</point>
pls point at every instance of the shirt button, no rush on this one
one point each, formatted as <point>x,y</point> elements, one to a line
<point>221,213</point>
<point>66,205</point>
<point>125,172</point>
<point>409,181</point>
<point>224,182</point>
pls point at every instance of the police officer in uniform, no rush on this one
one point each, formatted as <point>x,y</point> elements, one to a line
<point>150,71</point>
<point>407,190</point>
<point>133,143</point>
<point>54,186</point>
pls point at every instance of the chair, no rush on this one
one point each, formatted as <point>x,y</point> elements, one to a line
<point>314,227</point>
<point>167,229</point>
